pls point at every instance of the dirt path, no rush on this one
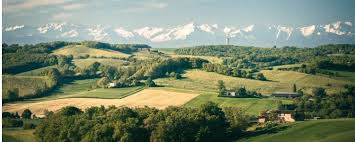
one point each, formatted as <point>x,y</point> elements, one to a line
<point>148,97</point>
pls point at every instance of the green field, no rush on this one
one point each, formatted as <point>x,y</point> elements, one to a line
<point>252,106</point>
<point>17,135</point>
<point>36,72</point>
<point>336,130</point>
<point>27,85</point>
<point>202,81</point>
<point>83,89</point>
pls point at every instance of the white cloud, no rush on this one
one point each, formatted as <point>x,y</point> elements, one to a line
<point>181,32</point>
<point>14,28</point>
<point>51,26</point>
<point>348,23</point>
<point>334,28</point>
<point>232,31</point>
<point>208,28</point>
<point>156,34</point>
<point>98,33</point>
<point>148,32</point>
<point>11,6</point>
<point>307,31</point>
<point>71,33</point>
<point>73,6</point>
<point>287,30</point>
<point>61,16</point>
<point>248,28</point>
<point>124,33</point>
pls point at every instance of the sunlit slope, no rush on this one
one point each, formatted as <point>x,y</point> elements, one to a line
<point>80,50</point>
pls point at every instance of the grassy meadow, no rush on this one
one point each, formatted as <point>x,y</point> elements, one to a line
<point>336,130</point>
<point>17,135</point>
<point>80,50</point>
<point>279,81</point>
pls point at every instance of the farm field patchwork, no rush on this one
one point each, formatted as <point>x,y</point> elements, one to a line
<point>280,81</point>
<point>148,97</point>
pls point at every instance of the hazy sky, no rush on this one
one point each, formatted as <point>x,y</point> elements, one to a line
<point>137,13</point>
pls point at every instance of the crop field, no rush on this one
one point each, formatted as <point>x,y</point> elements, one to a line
<point>17,135</point>
<point>79,50</point>
<point>148,97</point>
<point>83,63</point>
<point>336,130</point>
<point>279,81</point>
<point>25,84</point>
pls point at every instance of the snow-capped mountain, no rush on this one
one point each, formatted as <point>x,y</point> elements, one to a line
<point>186,34</point>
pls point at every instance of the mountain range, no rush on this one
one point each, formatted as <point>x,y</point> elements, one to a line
<point>189,34</point>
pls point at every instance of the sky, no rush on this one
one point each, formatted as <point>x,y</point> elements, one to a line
<point>139,13</point>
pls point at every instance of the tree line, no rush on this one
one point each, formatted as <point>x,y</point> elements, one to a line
<point>205,123</point>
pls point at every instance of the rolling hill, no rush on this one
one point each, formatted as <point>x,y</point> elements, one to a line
<point>336,130</point>
<point>80,50</point>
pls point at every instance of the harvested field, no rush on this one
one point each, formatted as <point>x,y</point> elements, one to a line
<point>149,97</point>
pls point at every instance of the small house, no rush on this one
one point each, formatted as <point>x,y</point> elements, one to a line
<point>286,94</point>
<point>112,85</point>
<point>285,117</point>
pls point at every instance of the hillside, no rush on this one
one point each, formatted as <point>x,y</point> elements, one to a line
<point>279,81</point>
<point>80,50</point>
<point>337,130</point>
<point>26,85</point>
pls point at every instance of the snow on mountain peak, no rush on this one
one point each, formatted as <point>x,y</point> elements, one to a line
<point>14,28</point>
<point>123,33</point>
<point>307,31</point>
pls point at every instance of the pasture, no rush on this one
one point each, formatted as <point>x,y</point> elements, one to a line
<point>80,50</point>
<point>203,81</point>
<point>336,130</point>
<point>17,135</point>
<point>148,97</point>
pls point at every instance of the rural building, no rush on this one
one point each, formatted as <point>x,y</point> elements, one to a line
<point>285,117</point>
<point>112,84</point>
<point>262,119</point>
<point>286,94</point>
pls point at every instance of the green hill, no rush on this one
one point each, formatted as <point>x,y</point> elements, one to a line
<point>337,130</point>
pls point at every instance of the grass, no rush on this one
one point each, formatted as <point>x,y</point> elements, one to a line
<point>26,84</point>
<point>287,66</point>
<point>252,106</point>
<point>17,135</point>
<point>336,130</point>
<point>83,89</point>
<point>80,50</point>
<point>280,81</point>
<point>36,72</point>
<point>342,75</point>
<point>83,63</point>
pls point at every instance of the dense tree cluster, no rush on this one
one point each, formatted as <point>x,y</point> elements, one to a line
<point>17,58</point>
<point>125,48</point>
<point>325,106</point>
<point>174,124</point>
<point>235,72</point>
